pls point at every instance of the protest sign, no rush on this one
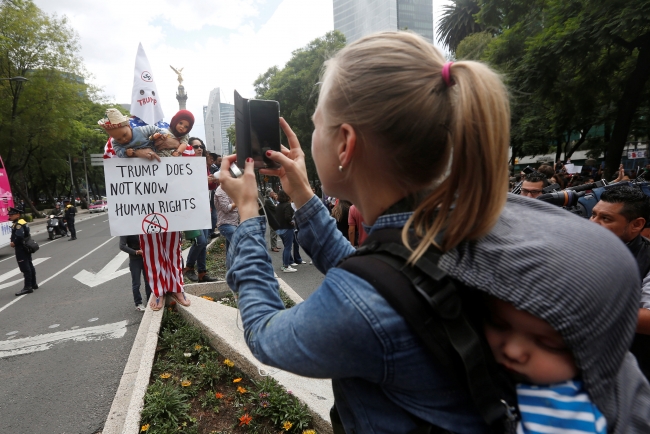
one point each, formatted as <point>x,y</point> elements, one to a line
<point>151,197</point>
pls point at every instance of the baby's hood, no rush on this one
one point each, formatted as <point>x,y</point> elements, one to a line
<point>578,277</point>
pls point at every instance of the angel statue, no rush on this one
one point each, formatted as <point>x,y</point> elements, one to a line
<point>178,71</point>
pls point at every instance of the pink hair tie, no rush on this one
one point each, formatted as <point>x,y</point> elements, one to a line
<point>446,74</point>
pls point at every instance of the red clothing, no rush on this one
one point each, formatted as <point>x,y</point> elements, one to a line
<point>162,262</point>
<point>211,185</point>
<point>355,219</point>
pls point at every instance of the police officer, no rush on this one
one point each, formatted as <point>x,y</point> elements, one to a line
<point>70,212</point>
<point>19,232</point>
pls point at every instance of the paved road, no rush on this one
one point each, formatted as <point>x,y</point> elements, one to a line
<point>63,348</point>
<point>305,281</point>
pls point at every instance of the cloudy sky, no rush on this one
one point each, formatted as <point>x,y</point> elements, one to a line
<point>219,43</point>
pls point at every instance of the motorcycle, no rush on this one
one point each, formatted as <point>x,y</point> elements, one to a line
<point>55,226</point>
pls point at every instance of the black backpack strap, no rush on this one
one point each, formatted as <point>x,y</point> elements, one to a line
<point>431,303</point>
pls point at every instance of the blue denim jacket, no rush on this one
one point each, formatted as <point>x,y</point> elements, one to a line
<point>345,331</point>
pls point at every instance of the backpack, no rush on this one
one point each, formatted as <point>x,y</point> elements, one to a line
<point>437,308</point>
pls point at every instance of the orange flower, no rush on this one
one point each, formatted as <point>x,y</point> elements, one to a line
<point>144,428</point>
<point>241,390</point>
<point>207,297</point>
<point>186,383</point>
<point>165,375</point>
<point>245,419</point>
<point>218,395</point>
<point>236,380</point>
<point>287,425</point>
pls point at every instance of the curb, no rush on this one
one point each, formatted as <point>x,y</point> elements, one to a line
<point>222,326</point>
<point>124,416</point>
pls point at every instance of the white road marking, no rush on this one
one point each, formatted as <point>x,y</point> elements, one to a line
<point>104,221</point>
<point>12,283</point>
<point>60,271</point>
<point>74,328</point>
<point>16,272</point>
<point>12,333</point>
<point>53,326</point>
<point>93,319</point>
<point>109,272</point>
<point>47,341</point>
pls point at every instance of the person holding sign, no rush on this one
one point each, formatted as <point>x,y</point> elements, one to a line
<point>161,250</point>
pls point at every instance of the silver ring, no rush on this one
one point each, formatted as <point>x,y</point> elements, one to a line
<point>235,172</point>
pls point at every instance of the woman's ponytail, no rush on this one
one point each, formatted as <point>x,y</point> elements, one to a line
<point>468,202</point>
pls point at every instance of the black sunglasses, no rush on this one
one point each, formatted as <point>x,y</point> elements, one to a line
<point>198,147</point>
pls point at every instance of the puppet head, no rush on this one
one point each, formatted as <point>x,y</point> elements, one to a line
<point>181,123</point>
<point>117,126</point>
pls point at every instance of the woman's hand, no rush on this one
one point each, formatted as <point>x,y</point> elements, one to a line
<point>148,154</point>
<point>243,191</point>
<point>292,174</point>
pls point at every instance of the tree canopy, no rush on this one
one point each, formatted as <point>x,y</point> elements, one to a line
<point>572,66</point>
<point>296,87</point>
<point>53,115</point>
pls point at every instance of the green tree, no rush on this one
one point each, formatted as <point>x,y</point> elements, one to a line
<point>42,121</point>
<point>232,137</point>
<point>587,62</point>
<point>457,22</point>
<point>296,88</point>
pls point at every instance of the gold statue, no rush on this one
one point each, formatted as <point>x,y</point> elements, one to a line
<point>178,71</point>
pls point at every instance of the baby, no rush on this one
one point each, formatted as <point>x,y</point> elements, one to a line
<point>178,135</point>
<point>126,140</point>
<point>550,397</point>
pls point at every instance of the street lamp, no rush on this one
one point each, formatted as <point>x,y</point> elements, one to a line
<point>16,79</point>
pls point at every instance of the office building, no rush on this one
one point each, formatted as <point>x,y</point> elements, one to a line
<point>357,18</point>
<point>218,116</point>
<point>227,112</point>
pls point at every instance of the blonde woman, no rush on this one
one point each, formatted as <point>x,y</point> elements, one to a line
<point>421,144</point>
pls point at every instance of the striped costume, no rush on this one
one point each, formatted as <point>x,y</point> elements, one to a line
<point>162,262</point>
<point>558,408</point>
<point>162,259</point>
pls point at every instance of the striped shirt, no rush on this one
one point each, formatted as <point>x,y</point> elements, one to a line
<point>559,408</point>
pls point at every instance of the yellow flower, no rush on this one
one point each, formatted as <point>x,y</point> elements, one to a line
<point>144,428</point>
<point>241,390</point>
<point>236,380</point>
<point>165,375</point>
<point>197,347</point>
<point>309,431</point>
<point>228,363</point>
<point>207,298</point>
<point>287,426</point>
<point>186,383</point>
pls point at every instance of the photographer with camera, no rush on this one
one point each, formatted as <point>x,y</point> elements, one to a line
<point>625,210</point>
<point>534,183</point>
<point>393,94</point>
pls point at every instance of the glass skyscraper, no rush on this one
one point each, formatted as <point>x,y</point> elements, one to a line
<point>357,18</point>
<point>218,116</point>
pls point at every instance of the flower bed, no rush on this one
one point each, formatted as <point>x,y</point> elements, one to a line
<point>195,390</point>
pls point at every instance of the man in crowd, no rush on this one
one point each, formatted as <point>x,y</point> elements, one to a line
<point>270,206</point>
<point>533,184</point>
<point>624,210</point>
<point>70,213</point>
